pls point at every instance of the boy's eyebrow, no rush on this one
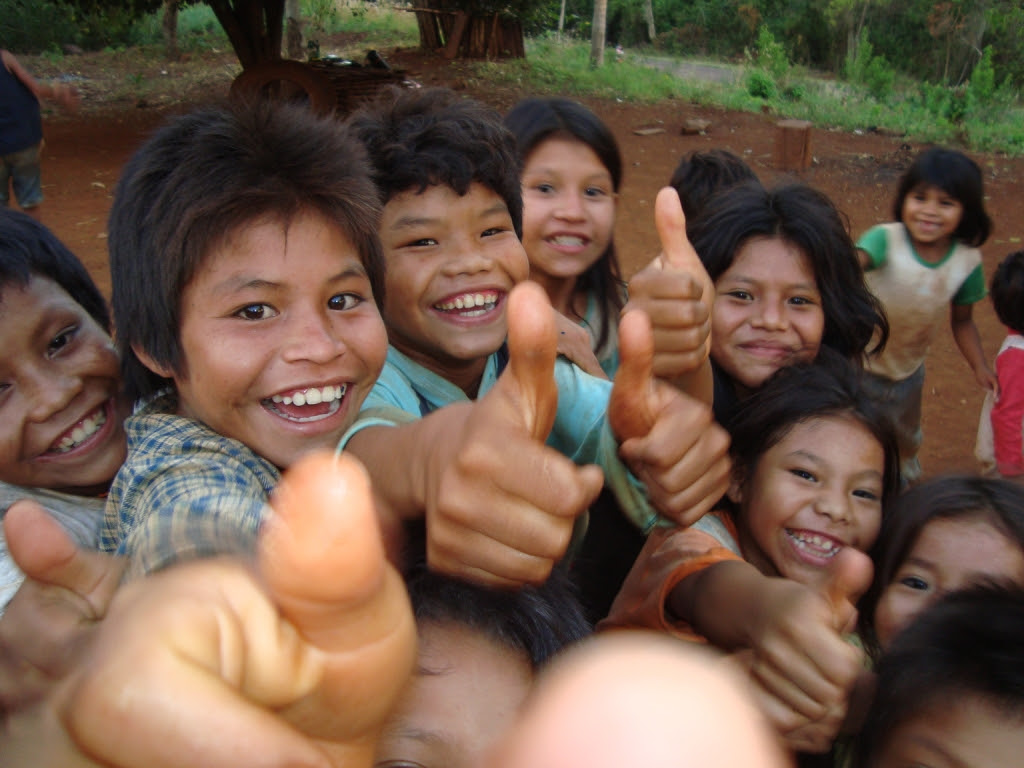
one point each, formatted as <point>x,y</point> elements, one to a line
<point>411,221</point>
<point>236,283</point>
<point>744,279</point>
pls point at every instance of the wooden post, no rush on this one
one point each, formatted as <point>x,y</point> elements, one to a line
<point>793,145</point>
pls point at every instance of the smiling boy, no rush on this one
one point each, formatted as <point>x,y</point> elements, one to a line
<point>245,264</point>
<point>61,411</point>
<point>449,179</point>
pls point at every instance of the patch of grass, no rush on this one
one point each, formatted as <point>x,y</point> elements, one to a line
<point>383,24</point>
<point>198,30</point>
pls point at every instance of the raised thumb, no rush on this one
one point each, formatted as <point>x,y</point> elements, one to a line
<point>849,577</point>
<point>670,221</point>
<point>529,378</point>
<point>629,409</point>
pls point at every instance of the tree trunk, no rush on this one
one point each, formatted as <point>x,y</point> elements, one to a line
<point>649,17</point>
<point>561,18</point>
<point>293,28</point>
<point>254,28</point>
<point>600,26</point>
<point>169,27</point>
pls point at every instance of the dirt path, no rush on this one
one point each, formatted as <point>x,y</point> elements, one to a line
<point>83,158</point>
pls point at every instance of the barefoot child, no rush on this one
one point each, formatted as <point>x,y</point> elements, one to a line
<point>245,266</point>
<point>448,177</point>
<point>61,409</point>
<point>922,265</point>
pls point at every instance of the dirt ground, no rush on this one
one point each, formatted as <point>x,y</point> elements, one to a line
<point>123,99</point>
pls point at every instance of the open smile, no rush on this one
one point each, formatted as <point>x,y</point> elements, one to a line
<point>471,304</point>
<point>83,434</point>
<point>814,547</point>
<point>307,405</point>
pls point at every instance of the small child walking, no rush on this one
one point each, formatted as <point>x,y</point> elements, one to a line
<point>923,261</point>
<point>1000,447</point>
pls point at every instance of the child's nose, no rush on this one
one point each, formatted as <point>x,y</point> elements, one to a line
<point>313,337</point>
<point>772,316</point>
<point>833,504</point>
<point>570,206</point>
<point>466,258</point>
<point>50,394</point>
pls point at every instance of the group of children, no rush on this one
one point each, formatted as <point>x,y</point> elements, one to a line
<point>436,292</point>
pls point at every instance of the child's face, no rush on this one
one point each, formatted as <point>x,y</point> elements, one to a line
<point>931,215</point>
<point>451,262</point>
<point>60,414</point>
<point>817,490</point>
<point>949,554</point>
<point>467,691</point>
<point>568,209</point>
<point>972,734</point>
<point>281,338</point>
<point>767,311</point>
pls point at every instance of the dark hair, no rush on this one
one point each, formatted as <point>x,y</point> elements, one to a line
<point>1007,291</point>
<point>703,173</point>
<point>959,177</point>
<point>537,620</point>
<point>807,219</point>
<point>201,178</point>
<point>967,645</point>
<point>999,501</point>
<point>28,249</point>
<point>434,137</point>
<point>796,394</point>
<point>533,121</point>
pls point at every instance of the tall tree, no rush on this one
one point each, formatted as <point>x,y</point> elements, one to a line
<point>599,29</point>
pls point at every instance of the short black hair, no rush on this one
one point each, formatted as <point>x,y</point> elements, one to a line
<point>1006,290</point>
<point>419,138</point>
<point>807,219</point>
<point>200,179</point>
<point>967,645</point>
<point>959,177</point>
<point>538,621</point>
<point>28,249</point>
<point>703,173</point>
<point>534,120</point>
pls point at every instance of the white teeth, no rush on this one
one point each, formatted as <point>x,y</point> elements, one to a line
<point>312,395</point>
<point>88,427</point>
<point>567,240</point>
<point>820,545</point>
<point>469,301</point>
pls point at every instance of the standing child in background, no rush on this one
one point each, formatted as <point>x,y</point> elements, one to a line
<point>951,688</point>
<point>702,174</point>
<point>572,170</point>
<point>61,408</point>
<point>778,570</point>
<point>787,283</point>
<point>1001,428</point>
<point>21,130</point>
<point>245,265</point>
<point>918,265</point>
<point>942,535</point>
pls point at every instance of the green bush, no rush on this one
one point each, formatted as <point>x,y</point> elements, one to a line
<point>879,78</point>
<point>34,26</point>
<point>761,85</point>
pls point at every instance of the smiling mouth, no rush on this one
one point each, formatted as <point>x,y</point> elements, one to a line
<point>469,304</point>
<point>81,432</point>
<point>569,241</point>
<point>307,405</point>
<point>815,544</point>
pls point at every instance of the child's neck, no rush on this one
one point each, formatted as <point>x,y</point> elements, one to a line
<point>464,374</point>
<point>561,293</point>
<point>933,252</point>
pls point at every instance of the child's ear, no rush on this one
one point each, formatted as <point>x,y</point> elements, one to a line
<point>735,492</point>
<point>144,358</point>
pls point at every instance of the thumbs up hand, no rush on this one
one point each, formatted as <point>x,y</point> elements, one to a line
<point>803,669</point>
<point>677,294</point>
<point>217,664</point>
<point>669,440</point>
<point>501,505</point>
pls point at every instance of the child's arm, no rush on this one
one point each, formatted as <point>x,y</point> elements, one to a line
<point>214,664</point>
<point>791,637</point>
<point>965,332</point>
<point>670,441</point>
<point>677,294</point>
<point>65,594</point>
<point>499,504</point>
<point>64,95</point>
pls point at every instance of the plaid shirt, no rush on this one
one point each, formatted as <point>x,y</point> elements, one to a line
<point>184,492</point>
